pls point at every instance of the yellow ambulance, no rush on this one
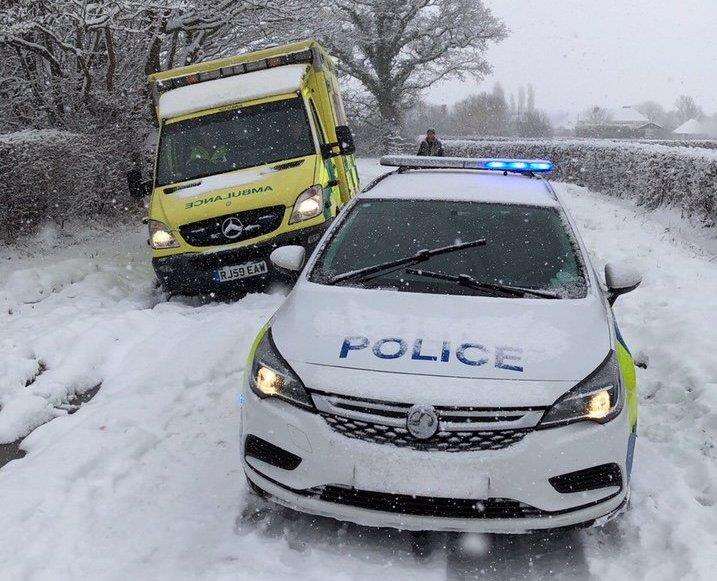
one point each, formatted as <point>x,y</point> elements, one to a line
<point>254,152</point>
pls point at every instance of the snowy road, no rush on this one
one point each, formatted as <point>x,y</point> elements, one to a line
<point>144,480</point>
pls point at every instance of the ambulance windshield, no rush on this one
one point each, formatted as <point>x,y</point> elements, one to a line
<point>233,139</point>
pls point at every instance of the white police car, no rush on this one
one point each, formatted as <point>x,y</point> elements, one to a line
<point>447,360</point>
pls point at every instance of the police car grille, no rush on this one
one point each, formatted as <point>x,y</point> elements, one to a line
<point>491,508</point>
<point>254,222</point>
<point>461,428</point>
<point>442,441</point>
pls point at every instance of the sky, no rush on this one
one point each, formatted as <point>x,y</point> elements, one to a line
<point>580,53</point>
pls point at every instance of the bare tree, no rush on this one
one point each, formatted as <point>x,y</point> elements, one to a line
<point>654,112</point>
<point>687,109</point>
<point>56,53</point>
<point>530,105</point>
<point>426,116</point>
<point>59,59</point>
<point>595,116</point>
<point>533,123</point>
<point>482,114</point>
<point>204,30</point>
<point>397,50</point>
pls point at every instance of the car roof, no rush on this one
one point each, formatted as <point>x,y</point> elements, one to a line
<point>463,185</point>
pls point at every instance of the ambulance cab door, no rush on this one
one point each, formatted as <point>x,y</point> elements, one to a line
<point>331,185</point>
<point>348,171</point>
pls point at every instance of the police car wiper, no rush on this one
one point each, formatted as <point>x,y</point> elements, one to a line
<point>486,287</point>
<point>420,256</point>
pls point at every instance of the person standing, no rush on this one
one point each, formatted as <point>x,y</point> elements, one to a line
<point>431,145</point>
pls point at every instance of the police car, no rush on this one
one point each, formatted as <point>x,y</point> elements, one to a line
<point>448,360</point>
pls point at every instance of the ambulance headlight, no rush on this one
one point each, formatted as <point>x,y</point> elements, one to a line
<point>271,376</point>
<point>160,236</point>
<point>599,397</point>
<point>308,205</point>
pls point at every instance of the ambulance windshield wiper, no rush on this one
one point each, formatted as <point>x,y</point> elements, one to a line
<point>491,288</point>
<point>420,256</point>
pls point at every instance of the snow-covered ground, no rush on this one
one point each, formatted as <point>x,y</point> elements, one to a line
<point>144,481</point>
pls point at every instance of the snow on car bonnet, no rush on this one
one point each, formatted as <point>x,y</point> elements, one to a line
<point>450,336</point>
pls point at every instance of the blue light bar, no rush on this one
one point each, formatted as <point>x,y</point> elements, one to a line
<point>527,166</point>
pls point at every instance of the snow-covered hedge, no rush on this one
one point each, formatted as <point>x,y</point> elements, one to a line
<point>56,176</point>
<point>699,143</point>
<point>654,175</point>
<point>702,143</point>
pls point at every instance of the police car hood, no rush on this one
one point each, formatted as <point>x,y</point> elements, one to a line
<point>443,349</point>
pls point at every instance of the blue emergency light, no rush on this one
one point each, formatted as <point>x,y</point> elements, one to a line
<point>525,166</point>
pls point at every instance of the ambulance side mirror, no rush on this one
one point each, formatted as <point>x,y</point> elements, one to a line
<point>288,258</point>
<point>138,189</point>
<point>620,278</point>
<point>345,138</point>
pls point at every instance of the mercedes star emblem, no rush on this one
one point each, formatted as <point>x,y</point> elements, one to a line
<point>232,228</point>
<point>422,421</point>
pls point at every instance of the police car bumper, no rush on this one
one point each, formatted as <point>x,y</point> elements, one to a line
<point>195,272</point>
<point>297,460</point>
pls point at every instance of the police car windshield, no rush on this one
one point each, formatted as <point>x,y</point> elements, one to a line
<point>528,247</point>
<point>232,140</point>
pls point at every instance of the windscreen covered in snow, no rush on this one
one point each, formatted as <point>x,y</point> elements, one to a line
<point>220,92</point>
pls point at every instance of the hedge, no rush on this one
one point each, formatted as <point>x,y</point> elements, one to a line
<point>57,176</point>
<point>654,175</point>
<point>54,176</point>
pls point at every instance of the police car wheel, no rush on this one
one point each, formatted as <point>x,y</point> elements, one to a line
<point>423,544</point>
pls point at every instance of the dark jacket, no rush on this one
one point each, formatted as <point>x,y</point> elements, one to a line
<point>433,148</point>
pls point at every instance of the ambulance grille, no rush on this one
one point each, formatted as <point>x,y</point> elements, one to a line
<point>442,442</point>
<point>247,225</point>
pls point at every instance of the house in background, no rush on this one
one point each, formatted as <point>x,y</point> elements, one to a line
<point>563,122</point>
<point>623,123</point>
<point>691,129</point>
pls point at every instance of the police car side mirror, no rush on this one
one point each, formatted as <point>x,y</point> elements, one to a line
<point>345,138</point>
<point>288,258</point>
<point>138,189</point>
<point>620,279</point>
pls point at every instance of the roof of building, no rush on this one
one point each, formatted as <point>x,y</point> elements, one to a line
<point>691,127</point>
<point>464,185</point>
<point>624,117</point>
<point>628,116</point>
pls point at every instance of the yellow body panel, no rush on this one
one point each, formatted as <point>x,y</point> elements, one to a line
<point>629,382</point>
<point>241,59</point>
<point>271,189</point>
<point>263,186</point>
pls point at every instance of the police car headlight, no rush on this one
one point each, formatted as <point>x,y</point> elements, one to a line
<point>308,205</point>
<point>271,376</point>
<point>598,398</point>
<point>160,236</point>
